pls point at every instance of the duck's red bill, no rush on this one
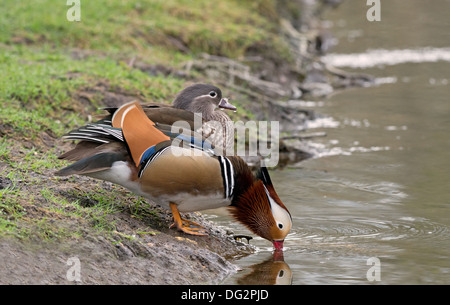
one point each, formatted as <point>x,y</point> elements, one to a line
<point>278,244</point>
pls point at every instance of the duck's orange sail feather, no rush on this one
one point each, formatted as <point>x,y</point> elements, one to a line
<point>138,130</point>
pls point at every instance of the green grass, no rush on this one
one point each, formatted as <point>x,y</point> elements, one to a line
<point>38,87</point>
<point>149,27</point>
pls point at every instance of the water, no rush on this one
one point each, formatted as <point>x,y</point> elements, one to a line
<point>379,186</point>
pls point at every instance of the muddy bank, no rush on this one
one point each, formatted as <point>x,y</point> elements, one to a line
<point>156,259</point>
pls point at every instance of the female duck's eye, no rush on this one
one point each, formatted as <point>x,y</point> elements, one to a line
<point>280,225</point>
<point>212,94</point>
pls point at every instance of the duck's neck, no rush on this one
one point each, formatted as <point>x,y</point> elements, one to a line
<point>218,115</point>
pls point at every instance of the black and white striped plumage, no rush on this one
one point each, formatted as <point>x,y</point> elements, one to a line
<point>227,171</point>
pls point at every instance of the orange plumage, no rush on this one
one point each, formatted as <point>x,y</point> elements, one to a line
<point>139,131</point>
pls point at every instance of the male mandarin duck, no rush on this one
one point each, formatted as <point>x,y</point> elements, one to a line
<point>127,148</point>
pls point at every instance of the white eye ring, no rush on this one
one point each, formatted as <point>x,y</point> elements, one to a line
<point>213,94</point>
<point>280,226</point>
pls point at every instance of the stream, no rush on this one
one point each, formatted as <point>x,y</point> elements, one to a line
<point>373,205</point>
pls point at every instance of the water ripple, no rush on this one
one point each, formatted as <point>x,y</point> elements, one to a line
<point>326,230</point>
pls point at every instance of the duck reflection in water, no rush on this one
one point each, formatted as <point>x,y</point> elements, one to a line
<point>273,271</point>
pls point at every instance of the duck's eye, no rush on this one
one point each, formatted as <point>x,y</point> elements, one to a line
<point>280,226</point>
<point>213,94</point>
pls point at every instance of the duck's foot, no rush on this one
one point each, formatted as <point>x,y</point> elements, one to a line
<point>185,225</point>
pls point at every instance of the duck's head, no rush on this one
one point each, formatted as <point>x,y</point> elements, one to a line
<point>260,209</point>
<point>201,98</point>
